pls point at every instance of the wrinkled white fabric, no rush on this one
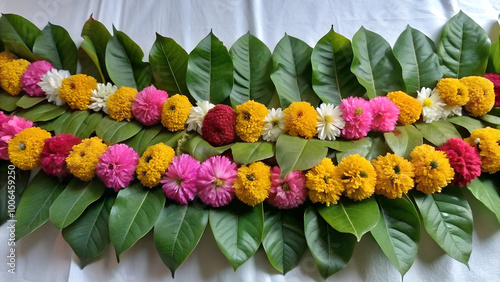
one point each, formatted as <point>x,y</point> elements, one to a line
<point>45,256</point>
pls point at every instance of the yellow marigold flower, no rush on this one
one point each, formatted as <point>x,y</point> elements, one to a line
<point>10,76</point>
<point>154,163</point>
<point>76,91</point>
<point>301,119</point>
<point>358,177</point>
<point>322,183</point>
<point>252,184</point>
<point>394,176</point>
<point>410,108</point>
<point>175,112</point>
<point>83,158</point>
<point>453,92</point>
<point>432,169</point>
<point>250,120</point>
<point>25,148</point>
<point>120,103</point>
<point>481,95</point>
<point>6,57</point>
<point>487,141</point>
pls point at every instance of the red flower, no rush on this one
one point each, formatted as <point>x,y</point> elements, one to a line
<point>218,125</point>
<point>54,154</point>
<point>464,159</point>
<point>495,78</point>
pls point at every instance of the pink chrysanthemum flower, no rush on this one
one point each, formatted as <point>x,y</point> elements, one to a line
<point>215,181</point>
<point>385,114</point>
<point>55,151</point>
<point>179,182</point>
<point>4,118</point>
<point>148,104</point>
<point>116,167</point>
<point>495,78</point>
<point>33,75</point>
<point>464,159</point>
<point>358,117</point>
<point>8,130</point>
<point>289,192</point>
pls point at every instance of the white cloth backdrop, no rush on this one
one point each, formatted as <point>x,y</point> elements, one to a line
<point>45,256</point>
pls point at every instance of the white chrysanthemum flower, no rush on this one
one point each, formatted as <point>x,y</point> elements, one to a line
<point>274,125</point>
<point>330,121</point>
<point>197,114</point>
<point>100,96</point>
<point>432,104</point>
<point>452,111</point>
<point>50,83</point>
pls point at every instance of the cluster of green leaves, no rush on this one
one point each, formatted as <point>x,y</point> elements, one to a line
<point>92,218</point>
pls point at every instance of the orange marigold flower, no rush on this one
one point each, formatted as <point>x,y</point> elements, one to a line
<point>323,183</point>
<point>453,92</point>
<point>487,141</point>
<point>358,177</point>
<point>301,119</point>
<point>10,75</point>
<point>250,120</point>
<point>410,108</point>
<point>175,112</point>
<point>394,176</point>
<point>6,57</point>
<point>252,184</point>
<point>432,169</point>
<point>120,103</point>
<point>25,148</point>
<point>83,158</point>
<point>76,90</point>
<point>481,93</point>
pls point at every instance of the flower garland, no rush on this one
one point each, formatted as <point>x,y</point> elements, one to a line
<point>354,177</point>
<point>316,158</point>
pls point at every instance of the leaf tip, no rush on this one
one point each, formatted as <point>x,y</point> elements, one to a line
<point>91,18</point>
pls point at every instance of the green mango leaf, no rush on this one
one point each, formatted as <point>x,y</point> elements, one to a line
<point>177,233</point>
<point>168,138</point>
<point>141,140</point>
<point>246,153</point>
<point>331,249</point>
<point>95,40</point>
<point>417,55</point>
<point>368,147</point>
<point>8,102</point>
<point>55,123</point>
<point>88,236</point>
<point>374,64</point>
<point>284,240</point>
<point>112,131</point>
<point>398,231</point>
<point>438,132</point>
<point>18,35</point>
<point>33,209</point>
<point>56,46</point>
<point>292,72</point>
<point>89,62</point>
<point>352,217</point>
<point>89,125</point>
<point>467,122</point>
<point>71,203</point>
<point>485,189</point>
<point>201,150</point>
<point>463,48</point>
<point>447,218</point>
<point>252,69</point>
<point>403,139</point>
<point>296,153</point>
<point>124,62</point>
<point>491,119</point>
<point>134,213</point>
<point>79,123</point>
<point>494,58</point>
<point>26,102</point>
<point>169,64</point>
<point>332,79</point>
<point>237,229</point>
<point>42,112</point>
<point>209,75</point>
<point>11,188</point>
